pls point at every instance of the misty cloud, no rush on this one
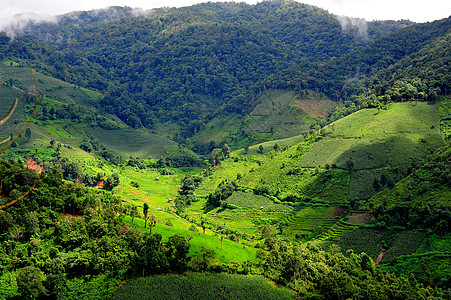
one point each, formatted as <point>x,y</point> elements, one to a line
<point>15,25</point>
<point>350,24</point>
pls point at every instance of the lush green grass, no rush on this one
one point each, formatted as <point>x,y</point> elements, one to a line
<point>201,286</point>
<point>131,142</point>
<point>228,169</point>
<point>230,251</point>
<point>374,139</point>
<point>49,86</point>
<point>408,118</point>
<point>245,220</point>
<point>445,117</point>
<point>151,191</point>
<point>365,153</point>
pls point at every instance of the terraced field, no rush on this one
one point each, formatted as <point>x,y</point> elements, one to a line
<point>335,231</point>
<point>245,219</point>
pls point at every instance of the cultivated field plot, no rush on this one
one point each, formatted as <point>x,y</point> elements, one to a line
<point>368,241</point>
<point>131,142</point>
<point>228,169</point>
<point>315,105</point>
<point>201,286</point>
<point>308,222</point>
<point>287,142</point>
<point>401,118</point>
<point>250,200</point>
<point>366,153</point>
<point>246,220</point>
<point>274,114</point>
<point>362,182</point>
<point>217,129</point>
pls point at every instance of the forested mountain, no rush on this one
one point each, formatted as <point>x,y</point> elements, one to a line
<point>204,59</point>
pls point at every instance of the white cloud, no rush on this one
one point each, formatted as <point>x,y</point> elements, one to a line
<point>415,10</point>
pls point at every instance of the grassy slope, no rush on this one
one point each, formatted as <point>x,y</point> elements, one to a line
<point>379,142</point>
<point>124,142</point>
<point>278,114</point>
<point>7,96</point>
<point>425,256</point>
<point>230,252</point>
<point>382,142</point>
<point>372,138</point>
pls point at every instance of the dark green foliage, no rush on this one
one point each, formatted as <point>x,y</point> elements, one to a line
<point>151,257</point>
<point>58,239</point>
<point>224,191</point>
<point>180,157</point>
<point>177,253</point>
<point>29,282</point>
<point>248,49</point>
<point>337,276</point>
<point>112,181</point>
<point>175,72</point>
<point>372,241</point>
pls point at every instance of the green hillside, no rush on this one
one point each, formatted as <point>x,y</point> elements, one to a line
<point>337,168</point>
<point>68,114</point>
<point>226,150</point>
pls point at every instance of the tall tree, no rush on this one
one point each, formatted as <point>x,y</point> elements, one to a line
<point>145,211</point>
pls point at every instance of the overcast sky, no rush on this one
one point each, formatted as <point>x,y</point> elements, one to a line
<point>414,10</point>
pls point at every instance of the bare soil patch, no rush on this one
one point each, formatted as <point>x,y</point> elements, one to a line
<point>315,108</point>
<point>33,165</point>
<point>339,211</point>
<point>359,218</point>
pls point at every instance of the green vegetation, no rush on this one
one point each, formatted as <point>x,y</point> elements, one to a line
<point>206,286</point>
<point>225,142</point>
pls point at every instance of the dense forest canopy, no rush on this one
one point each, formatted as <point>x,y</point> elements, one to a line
<point>216,57</point>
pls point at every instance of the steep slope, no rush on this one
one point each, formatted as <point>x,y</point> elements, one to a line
<point>205,60</point>
<point>352,160</point>
<point>68,114</point>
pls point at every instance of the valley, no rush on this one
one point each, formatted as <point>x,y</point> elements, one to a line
<point>219,158</point>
